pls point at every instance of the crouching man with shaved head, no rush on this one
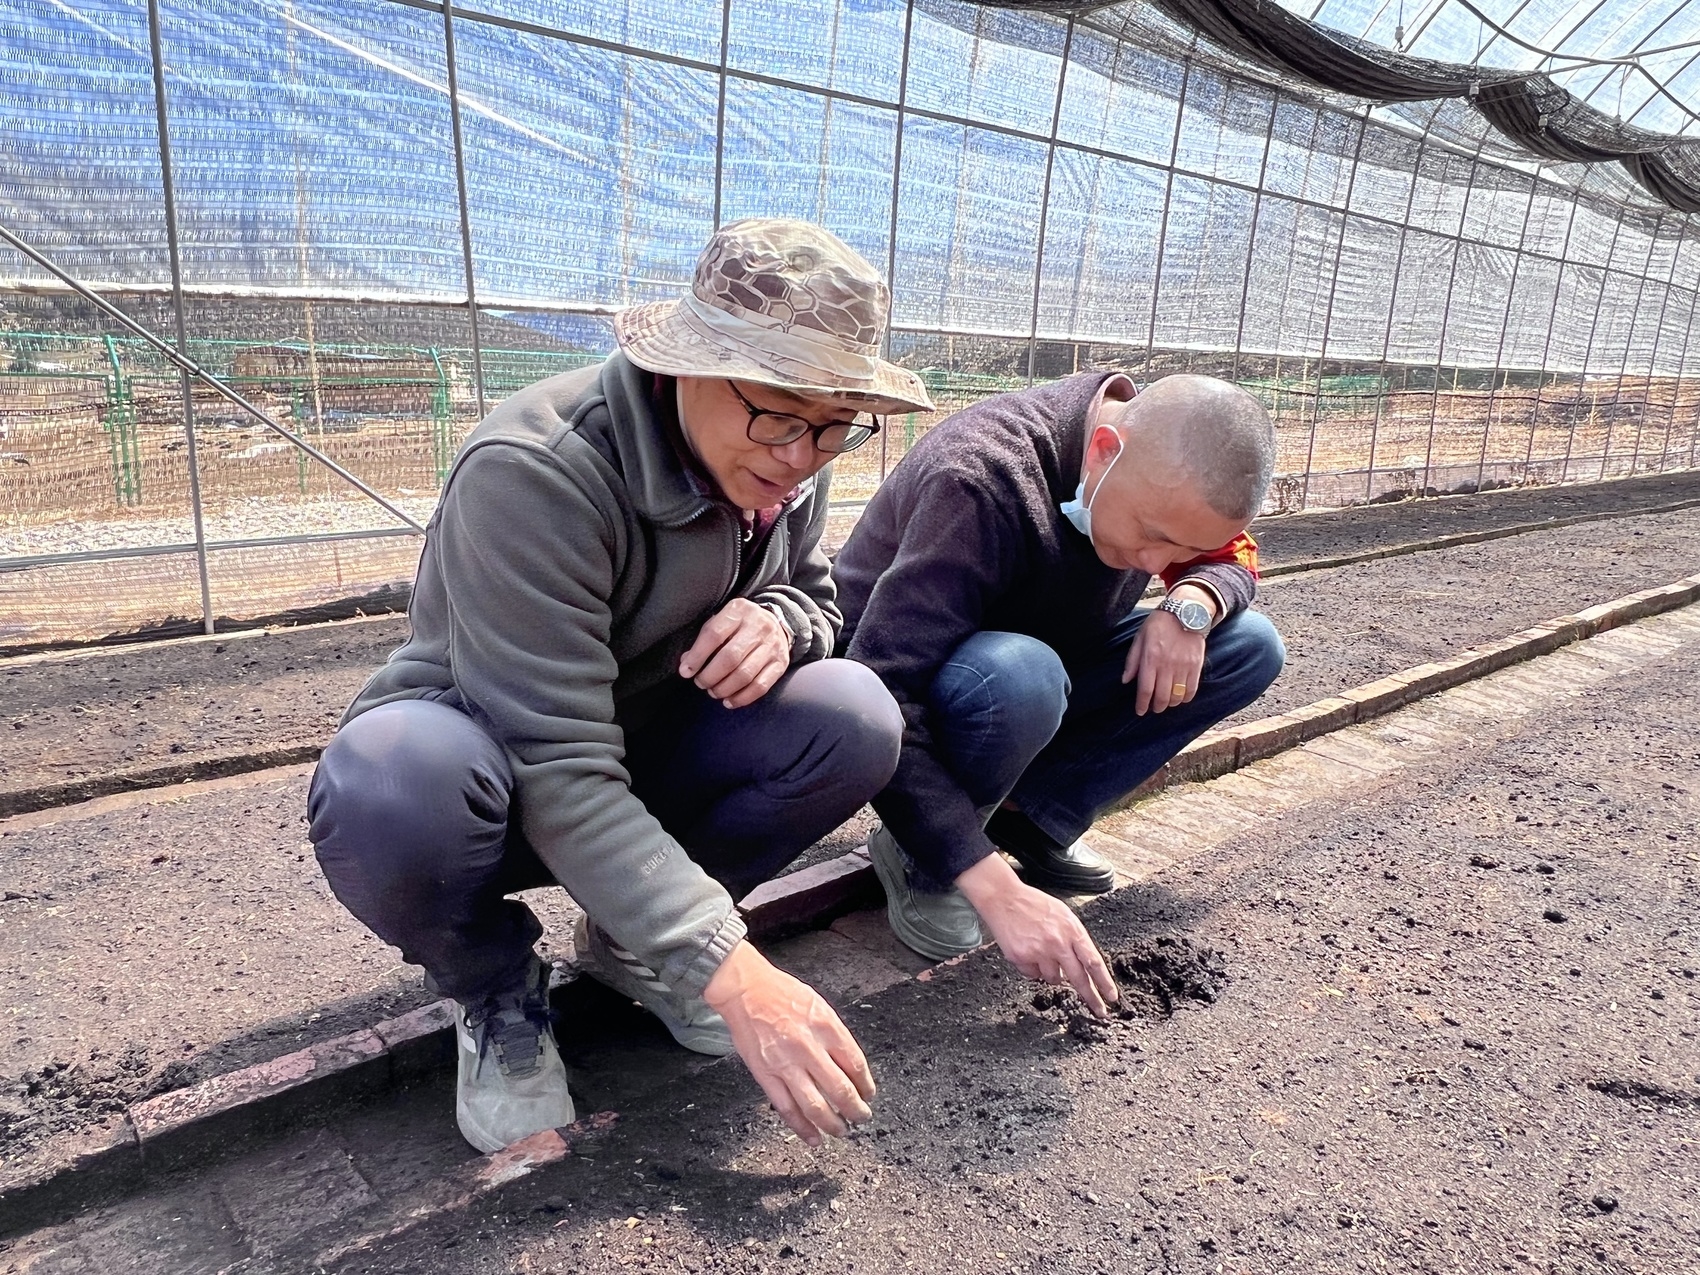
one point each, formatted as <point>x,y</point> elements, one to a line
<point>994,584</point>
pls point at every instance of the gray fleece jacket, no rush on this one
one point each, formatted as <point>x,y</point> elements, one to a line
<point>571,561</point>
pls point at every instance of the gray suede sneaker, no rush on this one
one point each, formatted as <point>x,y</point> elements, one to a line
<point>938,926</point>
<point>511,1082</point>
<point>692,1023</point>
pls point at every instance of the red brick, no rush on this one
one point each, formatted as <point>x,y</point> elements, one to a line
<point>1377,697</point>
<point>1272,735</point>
<point>1212,754</point>
<point>208,1118</point>
<point>1442,675</point>
<point>810,897</point>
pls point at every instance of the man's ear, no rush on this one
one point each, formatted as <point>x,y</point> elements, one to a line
<point>1102,447</point>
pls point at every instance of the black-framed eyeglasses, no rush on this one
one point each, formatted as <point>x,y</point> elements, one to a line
<point>775,429</point>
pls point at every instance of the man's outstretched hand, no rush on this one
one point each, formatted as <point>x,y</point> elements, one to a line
<point>1039,934</point>
<point>800,1053</point>
<point>739,654</point>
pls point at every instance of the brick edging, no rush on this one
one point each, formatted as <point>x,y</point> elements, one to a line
<point>190,1124</point>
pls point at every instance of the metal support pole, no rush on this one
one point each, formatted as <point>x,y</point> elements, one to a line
<point>1328,309</point>
<point>1393,300</point>
<point>1168,197</point>
<point>1045,199</point>
<point>1682,364</point>
<point>1653,358</point>
<point>189,365</point>
<point>155,45</point>
<point>1628,344</point>
<point>1251,238</point>
<point>1445,323</point>
<point>720,107</point>
<point>468,263</point>
<point>1089,249</point>
<point>896,187</point>
<point>1588,352</point>
<point>1505,320</point>
<point>1552,323</point>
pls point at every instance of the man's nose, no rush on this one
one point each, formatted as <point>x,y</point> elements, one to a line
<point>801,455</point>
<point>1152,561</point>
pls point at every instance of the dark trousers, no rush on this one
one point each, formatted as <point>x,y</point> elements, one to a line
<point>410,808</point>
<point>1061,741</point>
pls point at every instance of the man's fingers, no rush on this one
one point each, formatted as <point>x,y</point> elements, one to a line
<point>1074,973</point>
<point>1159,690</point>
<point>817,1109</point>
<point>834,1086</point>
<point>723,682</point>
<point>1100,973</point>
<point>1096,978</point>
<point>722,671</point>
<point>1130,666</point>
<point>854,1064</point>
<point>779,1096</point>
<point>710,638</point>
<point>760,685</point>
<point>1147,684</point>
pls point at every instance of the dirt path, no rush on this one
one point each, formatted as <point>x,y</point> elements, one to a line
<point>1442,1022</point>
<point>68,719</point>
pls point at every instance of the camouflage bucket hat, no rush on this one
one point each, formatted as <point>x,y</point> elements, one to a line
<point>777,302</point>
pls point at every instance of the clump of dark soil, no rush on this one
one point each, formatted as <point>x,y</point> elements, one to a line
<point>1154,975</point>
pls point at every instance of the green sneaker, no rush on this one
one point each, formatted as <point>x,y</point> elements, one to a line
<point>692,1023</point>
<point>511,1082</point>
<point>938,926</point>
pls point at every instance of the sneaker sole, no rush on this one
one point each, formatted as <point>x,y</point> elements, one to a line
<point>1096,884</point>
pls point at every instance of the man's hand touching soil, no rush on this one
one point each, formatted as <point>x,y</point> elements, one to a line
<point>739,654</point>
<point>800,1053</point>
<point>1040,935</point>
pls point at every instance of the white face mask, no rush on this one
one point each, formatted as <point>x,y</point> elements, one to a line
<point>1079,510</point>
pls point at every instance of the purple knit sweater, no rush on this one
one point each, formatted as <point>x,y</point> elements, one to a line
<point>965,536</point>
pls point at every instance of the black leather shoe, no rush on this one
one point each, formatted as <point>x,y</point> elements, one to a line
<point>1076,869</point>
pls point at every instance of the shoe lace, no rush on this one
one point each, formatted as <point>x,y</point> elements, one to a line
<point>511,1028</point>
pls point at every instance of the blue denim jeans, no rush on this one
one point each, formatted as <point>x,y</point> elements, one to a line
<point>1062,740</point>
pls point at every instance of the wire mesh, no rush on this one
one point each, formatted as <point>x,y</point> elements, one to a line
<point>1422,306</point>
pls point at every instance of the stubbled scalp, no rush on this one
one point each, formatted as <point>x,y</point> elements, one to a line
<point>1208,434</point>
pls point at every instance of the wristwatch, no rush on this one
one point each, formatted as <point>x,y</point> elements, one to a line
<point>1194,616</point>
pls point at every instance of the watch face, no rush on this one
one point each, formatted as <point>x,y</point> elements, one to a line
<point>1194,615</point>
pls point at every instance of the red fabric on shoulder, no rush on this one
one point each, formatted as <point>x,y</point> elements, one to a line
<point>1241,551</point>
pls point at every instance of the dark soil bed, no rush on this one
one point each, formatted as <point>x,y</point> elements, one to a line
<point>1447,1024</point>
<point>1334,533</point>
<point>136,708</point>
<point>1408,1064</point>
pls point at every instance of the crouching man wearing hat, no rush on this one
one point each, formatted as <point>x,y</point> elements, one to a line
<point>620,556</point>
